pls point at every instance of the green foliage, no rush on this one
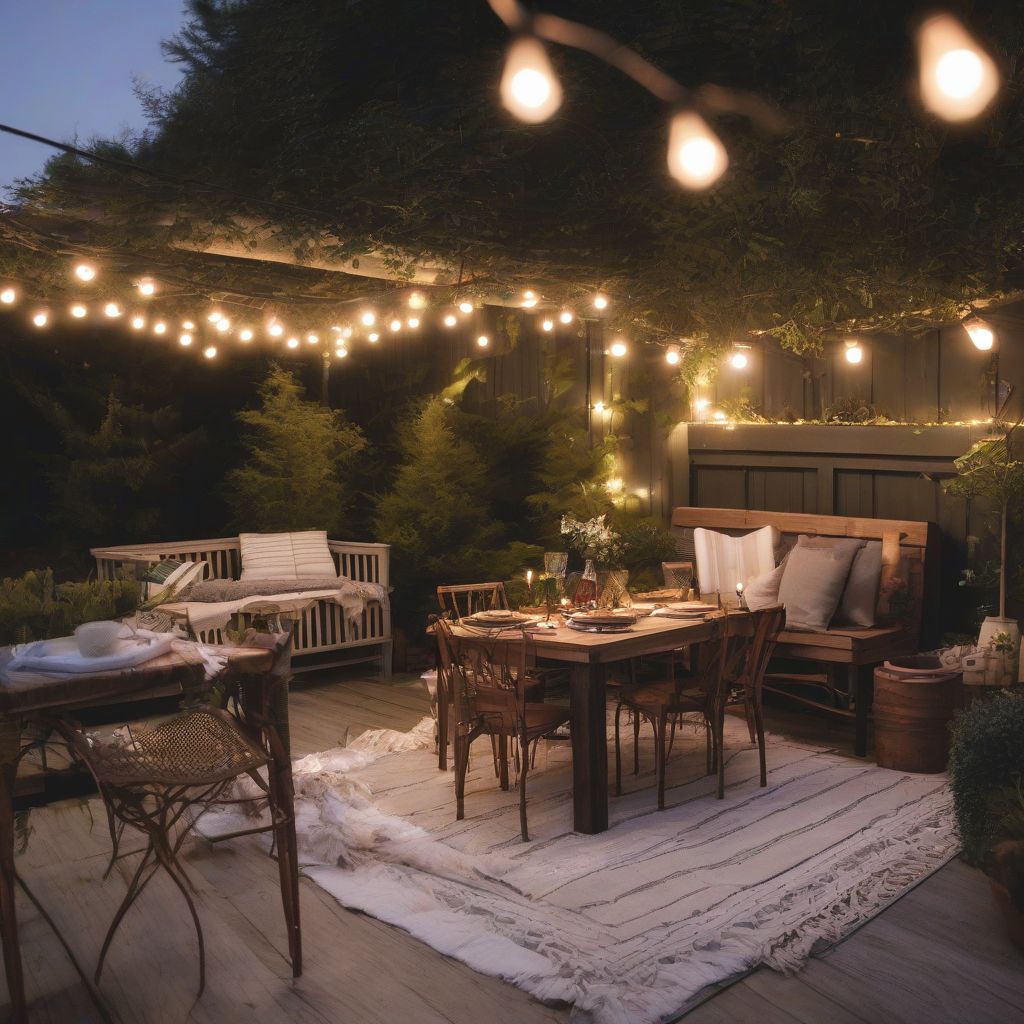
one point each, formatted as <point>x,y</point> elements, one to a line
<point>986,756</point>
<point>33,607</point>
<point>298,462</point>
<point>646,544</point>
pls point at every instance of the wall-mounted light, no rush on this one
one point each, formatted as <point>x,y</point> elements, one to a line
<point>673,355</point>
<point>853,351</point>
<point>980,333</point>
<point>738,360</point>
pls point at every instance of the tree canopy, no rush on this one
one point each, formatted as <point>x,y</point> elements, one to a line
<point>376,127</point>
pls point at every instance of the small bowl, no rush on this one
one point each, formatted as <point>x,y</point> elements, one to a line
<point>96,639</point>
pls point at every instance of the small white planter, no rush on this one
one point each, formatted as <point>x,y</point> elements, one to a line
<point>1003,669</point>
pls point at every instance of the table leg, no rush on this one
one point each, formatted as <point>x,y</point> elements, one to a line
<point>861,683</point>
<point>589,749</point>
<point>10,740</point>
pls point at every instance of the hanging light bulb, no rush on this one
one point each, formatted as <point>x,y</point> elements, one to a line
<point>210,351</point>
<point>187,325</point>
<point>373,337</point>
<point>112,309</point>
<point>138,322</point>
<point>957,77</point>
<point>548,325</point>
<point>185,339</point>
<point>368,318</point>
<point>395,325</point>
<point>8,296</point>
<point>566,316</point>
<point>529,87</point>
<point>275,330</point>
<point>599,407</point>
<point>483,341</point>
<point>600,301</point>
<point>214,315</point>
<point>738,360</point>
<point>529,299</point>
<point>245,334</point>
<point>85,272</point>
<point>223,325</point>
<point>466,307</point>
<point>718,415</point>
<point>341,353</point>
<point>696,157</point>
<point>673,354</point>
<point>159,327</point>
<point>417,300</point>
<point>854,353</point>
<point>450,320</point>
<point>700,404</point>
<point>980,333</point>
<point>78,311</point>
<point>146,287</point>
<point>293,342</point>
<point>413,322</point>
<point>41,319</point>
<point>312,339</point>
<point>619,349</point>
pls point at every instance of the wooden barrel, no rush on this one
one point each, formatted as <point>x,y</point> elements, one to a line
<point>913,706</point>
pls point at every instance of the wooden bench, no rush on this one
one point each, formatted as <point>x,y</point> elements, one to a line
<point>909,553</point>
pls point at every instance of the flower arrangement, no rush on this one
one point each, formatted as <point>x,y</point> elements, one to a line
<point>593,539</point>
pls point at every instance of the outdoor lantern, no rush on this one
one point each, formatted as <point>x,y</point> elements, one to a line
<point>696,157</point>
<point>980,333</point>
<point>854,353</point>
<point>529,87</point>
<point>958,79</point>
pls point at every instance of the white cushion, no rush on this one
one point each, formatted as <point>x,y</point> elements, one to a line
<point>724,561</point>
<point>763,591</point>
<point>286,556</point>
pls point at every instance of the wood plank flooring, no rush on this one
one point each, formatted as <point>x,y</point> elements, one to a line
<point>936,956</point>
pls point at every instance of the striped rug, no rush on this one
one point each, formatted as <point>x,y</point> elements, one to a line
<point>630,925</point>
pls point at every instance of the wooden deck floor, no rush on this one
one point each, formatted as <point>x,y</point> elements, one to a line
<point>936,956</point>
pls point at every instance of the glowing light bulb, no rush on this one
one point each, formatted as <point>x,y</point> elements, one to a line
<point>41,319</point>
<point>341,353</point>
<point>854,353</point>
<point>417,300</point>
<point>373,337</point>
<point>738,360</point>
<point>718,415</point>
<point>8,296</point>
<point>78,311</point>
<point>214,315</point>
<point>312,339</point>
<point>466,307</point>
<point>696,157</point>
<point>159,327</point>
<point>223,325</point>
<point>112,309</point>
<point>395,325</point>
<point>413,322</point>
<point>600,301</point>
<point>701,404</point>
<point>368,319</point>
<point>450,320</point>
<point>529,87</point>
<point>599,407</point>
<point>185,339</point>
<point>618,349</point>
<point>673,355</point>
<point>146,287</point>
<point>980,333</point>
<point>275,330</point>
<point>957,77</point>
<point>529,299</point>
<point>548,325</point>
<point>187,325</point>
<point>483,341</point>
<point>293,342</point>
<point>245,334</point>
<point>138,322</point>
<point>85,272</point>
<point>346,333</point>
<point>210,351</point>
<point>566,316</point>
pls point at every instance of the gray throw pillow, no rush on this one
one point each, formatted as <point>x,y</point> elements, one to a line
<point>860,598</point>
<point>814,578</point>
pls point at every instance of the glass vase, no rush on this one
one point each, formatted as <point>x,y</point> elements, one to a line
<point>586,589</point>
<point>613,591</point>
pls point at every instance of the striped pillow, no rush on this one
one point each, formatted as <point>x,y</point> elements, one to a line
<point>286,556</point>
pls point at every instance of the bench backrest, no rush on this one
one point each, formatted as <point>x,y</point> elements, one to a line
<point>909,547</point>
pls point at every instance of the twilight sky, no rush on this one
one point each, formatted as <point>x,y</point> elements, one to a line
<point>66,69</point>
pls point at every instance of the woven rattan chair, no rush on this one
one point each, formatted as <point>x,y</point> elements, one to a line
<point>489,679</point>
<point>160,779</point>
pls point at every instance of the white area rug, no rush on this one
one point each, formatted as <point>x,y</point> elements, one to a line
<point>629,925</point>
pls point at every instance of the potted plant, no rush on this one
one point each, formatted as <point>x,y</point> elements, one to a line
<point>986,766</point>
<point>990,471</point>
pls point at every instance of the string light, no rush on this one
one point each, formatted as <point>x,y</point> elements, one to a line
<point>159,327</point>
<point>85,272</point>
<point>395,325</point>
<point>600,301</point>
<point>138,322</point>
<point>275,330</point>
<point>245,334</point>
<point>368,319</point>
<point>293,342</point>
<point>981,334</point>
<point>312,339</point>
<point>466,307</point>
<point>529,88</point>
<point>146,287</point>
<point>41,319</point>
<point>417,300</point>
<point>187,325</point>
<point>346,333</point>
<point>450,320</point>
<point>957,77</point>
<point>619,349</point>
<point>8,296</point>
<point>566,316</point>
<point>483,341</point>
<point>700,404</point>
<point>185,339</point>
<point>214,316</point>
<point>413,322</point>
<point>373,337</point>
<point>548,325</point>
<point>529,299</point>
<point>599,407</point>
<point>854,353</point>
<point>673,355</point>
<point>341,353</point>
<point>738,360</point>
<point>78,311</point>
<point>696,157</point>
<point>112,309</point>
<point>718,415</point>
<point>210,351</point>
<point>223,325</point>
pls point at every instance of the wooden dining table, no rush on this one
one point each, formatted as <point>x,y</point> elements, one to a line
<point>27,696</point>
<point>587,656</point>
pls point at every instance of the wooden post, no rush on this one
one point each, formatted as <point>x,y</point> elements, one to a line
<point>325,379</point>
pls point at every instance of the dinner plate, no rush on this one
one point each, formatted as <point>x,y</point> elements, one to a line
<point>498,617</point>
<point>593,627</point>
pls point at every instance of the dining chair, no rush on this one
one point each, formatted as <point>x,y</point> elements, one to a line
<point>161,779</point>
<point>677,576</point>
<point>465,599</point>
<point>663,702</point>
<point>489,677</point>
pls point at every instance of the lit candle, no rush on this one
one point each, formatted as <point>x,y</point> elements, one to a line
<point>739,595</point>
